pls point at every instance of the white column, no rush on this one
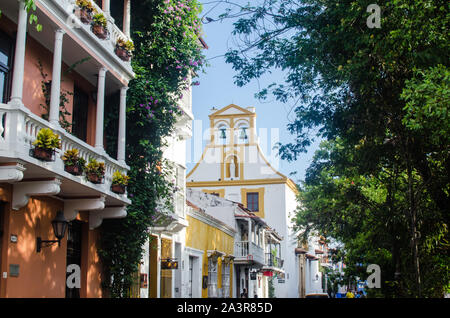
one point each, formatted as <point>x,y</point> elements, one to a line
<point>19,56</point>
<point>100,110</point>
<point>126,17</point>
<point>249,233</point>
<point>106,8</point>
<point>122,126</point>
<point>56,79</point>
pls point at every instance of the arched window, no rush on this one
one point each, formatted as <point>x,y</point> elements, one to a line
<point>241,133</point>
<point>222,134</point>
<point>232,167</point>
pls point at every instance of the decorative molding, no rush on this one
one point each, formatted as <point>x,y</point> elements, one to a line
<point>22,191</point>
<point>96,218</point>
<point>177,225</point>
<point>73,206</point>
<point>211,221</point>
<point>12,173</point>
<point>260,192</point>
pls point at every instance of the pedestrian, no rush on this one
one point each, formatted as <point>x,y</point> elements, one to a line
<point>349,294</point>
<point>244,293</point>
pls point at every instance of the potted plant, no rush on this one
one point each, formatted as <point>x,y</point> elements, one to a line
<point>99,25</point>
<point>124,49</point>
<point>95,171</point>
<point>85,10</point>
<point>73,163</point>
<point>119,182</point>
<point>45,144</point>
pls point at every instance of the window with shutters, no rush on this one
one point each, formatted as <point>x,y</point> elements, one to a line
<point>225,280</point>
<point>253,201</point>
<point>212,278</point>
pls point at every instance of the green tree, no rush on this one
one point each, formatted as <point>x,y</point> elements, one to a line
<point>166,38</point>
<point>359,86</point>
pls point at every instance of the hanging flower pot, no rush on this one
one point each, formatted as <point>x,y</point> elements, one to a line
<point>95,171</point>
<point>45,144</point>
<point>76,170</point>
<point>43,154</point>
<point>118,188</point>
<point>122,53</point>
<point>99,26</point>
<point>85,16</point>
<point>123,49</point>
<point>119,182</point>
<point>100,31</point>
<point>73,163</point>
<point>94,178</point>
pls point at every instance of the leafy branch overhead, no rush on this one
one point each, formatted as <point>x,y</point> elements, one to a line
<point>380,98</point>
<point>167,53</point>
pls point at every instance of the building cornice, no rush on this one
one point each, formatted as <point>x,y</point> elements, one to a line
<point>211,221</point>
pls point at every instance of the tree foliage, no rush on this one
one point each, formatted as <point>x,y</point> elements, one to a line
<point>380,98</point>
<point>166,39</point>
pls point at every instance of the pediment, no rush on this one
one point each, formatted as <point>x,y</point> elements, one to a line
<point>232,109</point>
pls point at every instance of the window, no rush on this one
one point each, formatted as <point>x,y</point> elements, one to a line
<point>212,278</point>
<point>241,134</point>
<point>225,280</point>
<point>80,114</point>
<point>253,201</point>
<point>6,52</point>
<point>222,134</point>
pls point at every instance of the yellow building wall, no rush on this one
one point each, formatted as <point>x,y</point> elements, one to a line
<point>202,236</point>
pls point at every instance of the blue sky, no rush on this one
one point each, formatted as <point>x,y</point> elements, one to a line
<point>217,89</point>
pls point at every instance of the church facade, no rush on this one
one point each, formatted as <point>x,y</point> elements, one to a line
<point>233,167</point>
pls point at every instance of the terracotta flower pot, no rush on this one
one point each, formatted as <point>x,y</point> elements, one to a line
<point>100,31</point>
<point>122,53</point>
<point>85,16</point>
<point>94,178</point>
<point>76,170</point>
<point>43,154</point>
<point>118,188</point>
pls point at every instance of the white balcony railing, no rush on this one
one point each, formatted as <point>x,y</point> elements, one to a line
<point>248,251</point>
<point>66,11</point>
<point>19,128</point>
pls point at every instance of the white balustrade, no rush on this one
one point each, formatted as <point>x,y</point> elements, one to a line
<point>68,6</point>
<point>17,141</point>
<point>245,250</point>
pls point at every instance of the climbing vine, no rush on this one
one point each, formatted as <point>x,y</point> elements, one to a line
<point>166,38</point>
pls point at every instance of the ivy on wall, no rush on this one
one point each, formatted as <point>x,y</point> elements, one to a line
<point>166,38</point>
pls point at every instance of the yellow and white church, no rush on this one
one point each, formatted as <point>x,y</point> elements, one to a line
<point>234,167</point>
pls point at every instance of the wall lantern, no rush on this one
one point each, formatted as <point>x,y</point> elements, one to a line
<point>59,225</point>
<point>169,263</point>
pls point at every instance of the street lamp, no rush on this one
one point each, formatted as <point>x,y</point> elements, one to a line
<point>59,225</point>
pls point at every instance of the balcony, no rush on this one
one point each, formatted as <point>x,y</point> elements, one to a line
<point>79,40</point>
<point>246,252</point>
<point>18,130</point>
<point>273,263</point>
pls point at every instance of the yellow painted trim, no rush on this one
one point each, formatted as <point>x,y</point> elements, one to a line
<point>230,146</point>
<point>225,164</point>
<point>221,192</point>
<point>260,192</point>
<point>218,112</point>
<point>206,184</point>
<point>291,184</point>
<point>231,132</point>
